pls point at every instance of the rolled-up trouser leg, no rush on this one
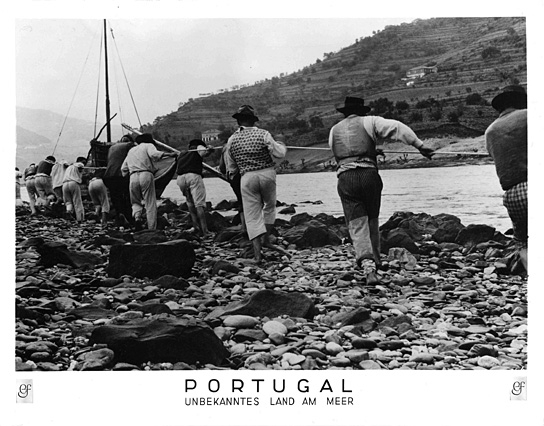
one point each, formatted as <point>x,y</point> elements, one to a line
<point>135,196</point>
<point>147,184</point>
<point>360,192</point>
<point>253,204</point>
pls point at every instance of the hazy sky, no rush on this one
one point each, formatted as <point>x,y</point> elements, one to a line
<point>166,61</point>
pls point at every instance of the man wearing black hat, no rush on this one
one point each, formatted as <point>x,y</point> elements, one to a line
<point>139,164</point>
<point>250,151</point>
<point>506,141</point>
<point>353,142</point>
<point>191,184</point>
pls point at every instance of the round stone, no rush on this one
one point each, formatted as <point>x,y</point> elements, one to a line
<point>274,327</point>
<point>240,321</point>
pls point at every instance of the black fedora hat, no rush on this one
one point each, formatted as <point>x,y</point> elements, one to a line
<point>353,105</point>
<point>145,138</point>
<point>510,96</point>
<point>245,111</point>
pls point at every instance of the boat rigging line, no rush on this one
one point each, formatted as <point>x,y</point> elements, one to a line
<point>97,91</point>
<point>73,97</point>
<point>125,76</point>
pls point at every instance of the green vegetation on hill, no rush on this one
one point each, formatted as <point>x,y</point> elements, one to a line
<point>475,57</point>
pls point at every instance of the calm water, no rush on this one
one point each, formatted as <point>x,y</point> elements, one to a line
<point>471,193</point>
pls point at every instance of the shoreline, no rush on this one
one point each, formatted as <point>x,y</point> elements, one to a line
<point>450,306</point>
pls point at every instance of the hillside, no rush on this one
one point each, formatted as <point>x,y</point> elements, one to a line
<point>474,58</point>
<point>38,131</point>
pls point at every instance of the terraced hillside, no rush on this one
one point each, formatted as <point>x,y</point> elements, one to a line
<point>474,58</point>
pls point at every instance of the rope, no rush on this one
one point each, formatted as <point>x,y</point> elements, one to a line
<point>115,73</point>
<point>97,89</point>
<point>125,75</point>
<point>73,97</point>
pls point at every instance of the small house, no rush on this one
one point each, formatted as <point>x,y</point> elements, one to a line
<point>421,71</point>
<point>210,135</point>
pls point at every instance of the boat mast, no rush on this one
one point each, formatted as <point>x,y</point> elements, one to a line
<point>108,128</point>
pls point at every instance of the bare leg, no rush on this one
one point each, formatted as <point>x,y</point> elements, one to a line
<point>98,212</point>
<point>257,246</point>
<point>201,214</point>
<point>194,216</point>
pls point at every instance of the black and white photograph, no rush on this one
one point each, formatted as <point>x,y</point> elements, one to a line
<point>231,214</point>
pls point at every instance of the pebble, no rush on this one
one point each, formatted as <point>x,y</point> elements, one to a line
<point>426,314</point>
<point>240,321</point>
<point>274,327</point>
<point>487,361</point>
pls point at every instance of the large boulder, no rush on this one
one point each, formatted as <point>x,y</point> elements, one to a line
<point>448,228</point>
<point>269,303</point>
<point>475,234</point>
<point>161,340</point>
<point>398,238</point>
<point>311,234</point>
<point>152,260</point>
<point>53,253</point>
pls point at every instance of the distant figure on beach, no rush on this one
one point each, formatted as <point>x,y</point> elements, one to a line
<point>117,184</point>
<point>234,179</point>
<point>190,182</point>
<point>71,189</point>
<point>99,196</point>
<point>18,176</point>
<point>139,165</point>
<point>506,142</point>
<point>43,182</point>
<point>57,177</point>
<point>353,142</point>
<point>29,176</point>
<point>250,151</point>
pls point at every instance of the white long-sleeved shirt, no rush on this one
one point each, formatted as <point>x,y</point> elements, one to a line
<point>73,173</point>
<point>141,158</point>
<point>377,128</point>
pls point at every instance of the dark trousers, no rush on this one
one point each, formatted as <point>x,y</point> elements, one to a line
<point>118,187</point>
<point>360,191</point>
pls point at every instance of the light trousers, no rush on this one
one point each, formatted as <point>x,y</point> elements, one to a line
<point>259,200</point>
<point>71,193</point>
<point>142,194</point>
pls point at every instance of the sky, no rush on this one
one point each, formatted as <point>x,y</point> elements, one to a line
<point>166,61</point>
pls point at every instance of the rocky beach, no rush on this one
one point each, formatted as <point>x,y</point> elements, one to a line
<point>451,297</point>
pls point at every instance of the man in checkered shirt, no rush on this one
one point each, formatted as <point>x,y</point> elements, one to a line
<point>506,140</point>
<point>250,151</point>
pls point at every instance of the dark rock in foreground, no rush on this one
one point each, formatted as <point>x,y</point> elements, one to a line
<point>270,303</point>
<point>311,234</point>
<point>53,253</point>
<point>152,260</point>
<point>161,340</point>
